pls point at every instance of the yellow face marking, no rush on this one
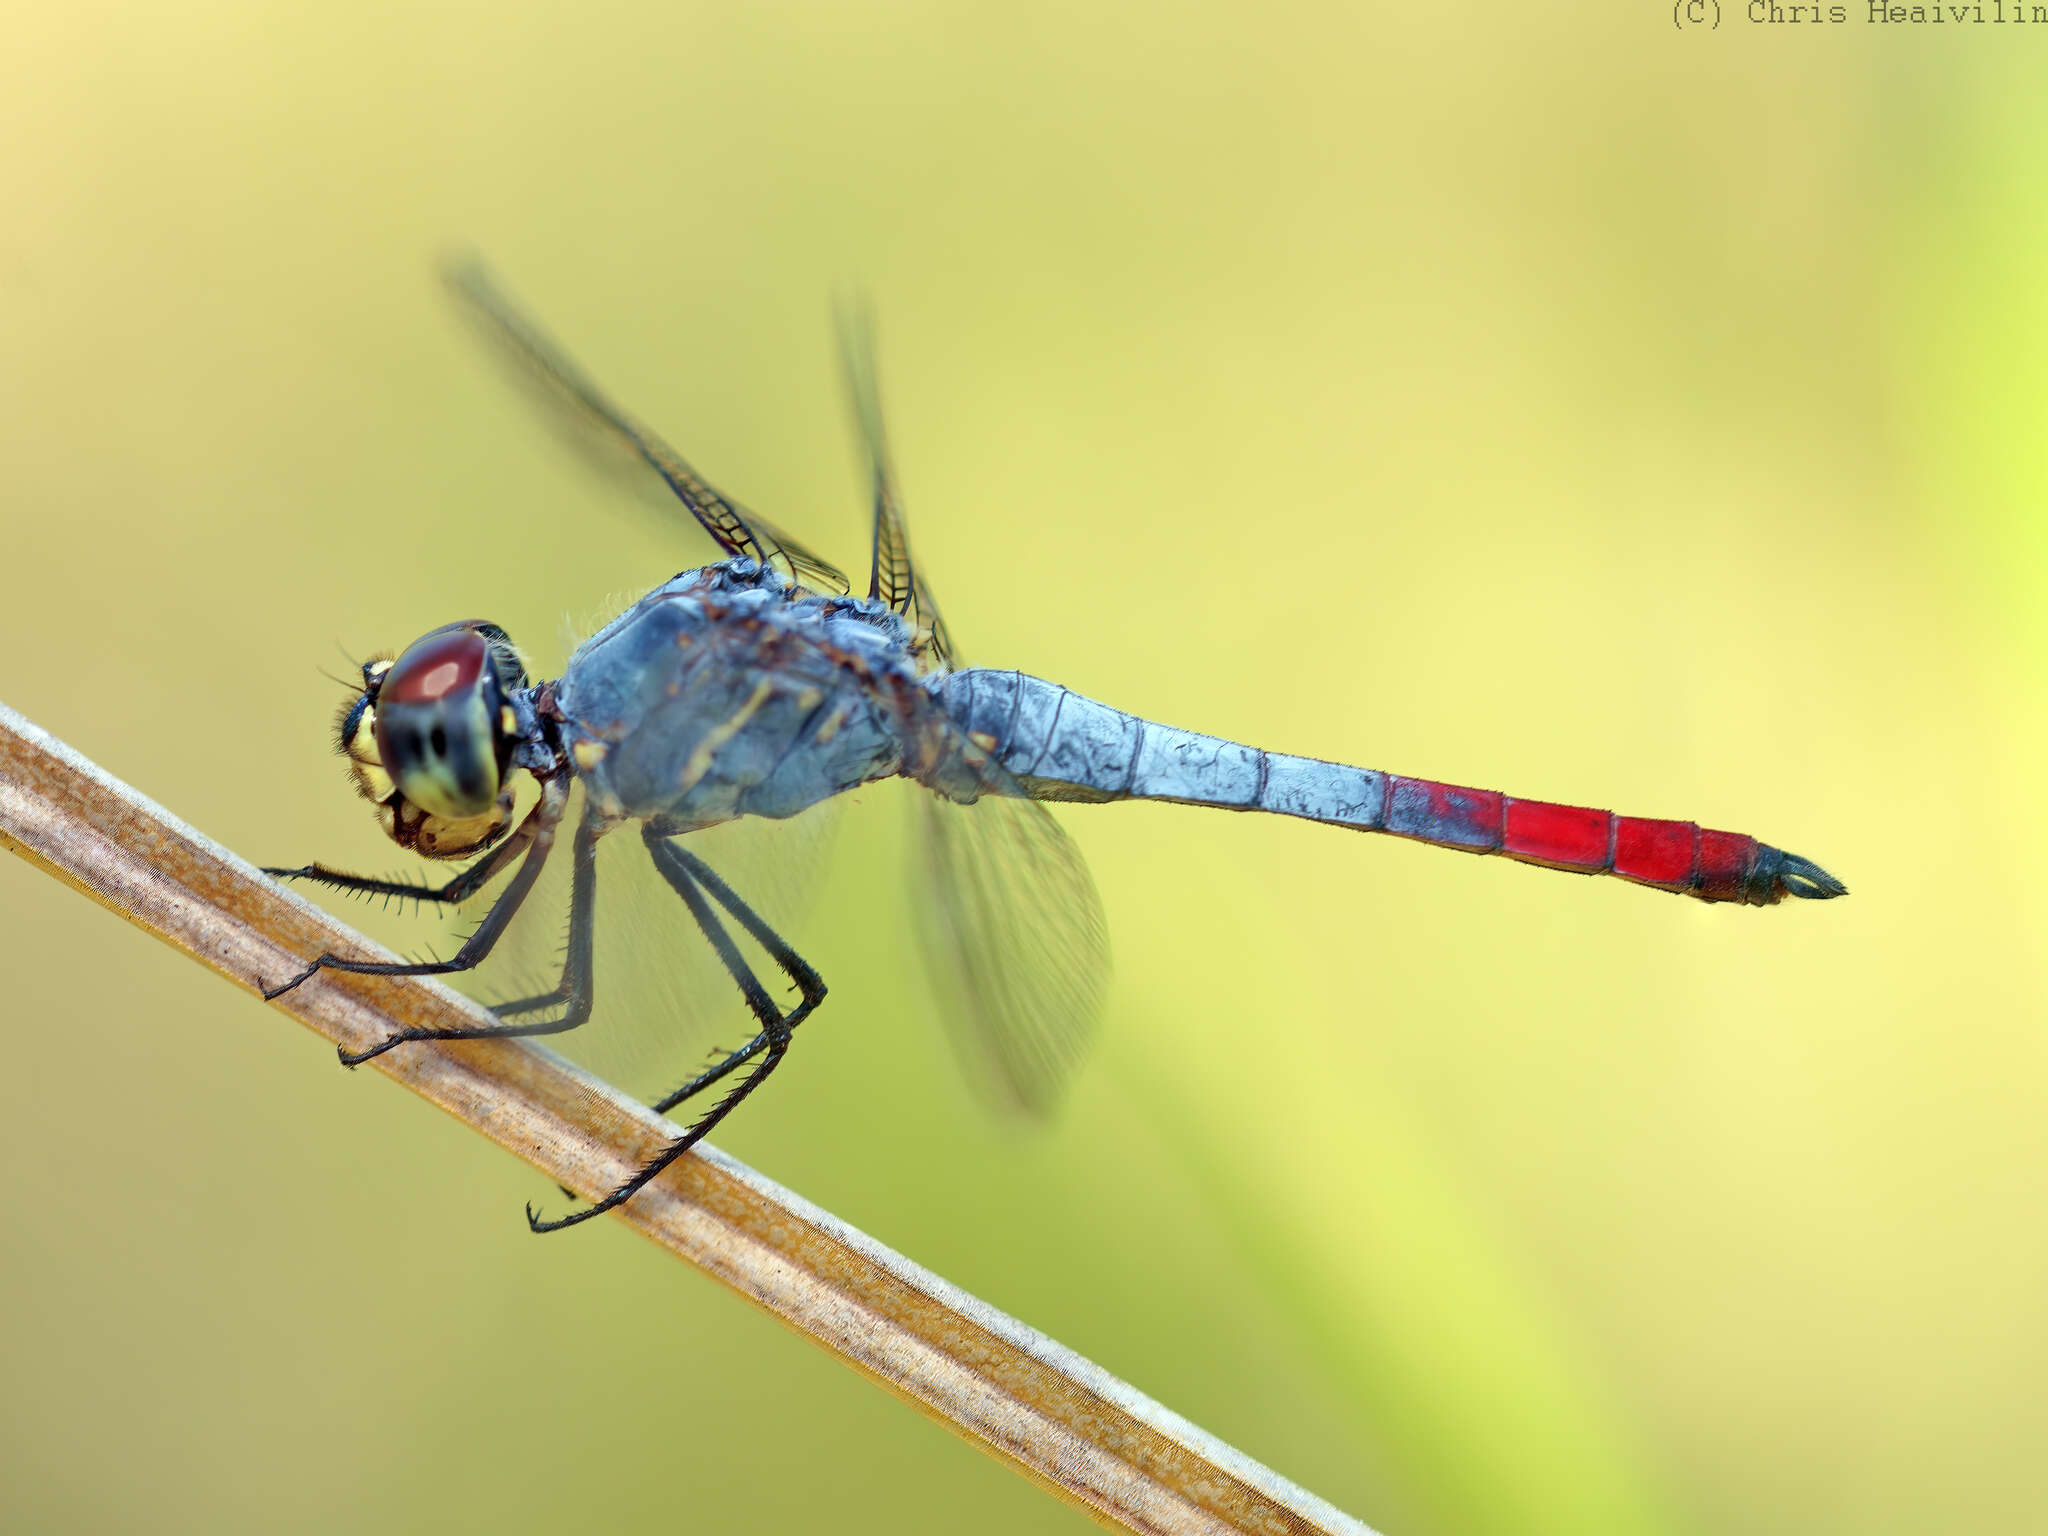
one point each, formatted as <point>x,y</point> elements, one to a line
<point>508,723</point>
<point>589,754</point>
<point>700,760</point>
<point>443,837</point>
<point>364,765</point>
<point>373,781</point>
<point>362,746</point>
<point>983,740</point>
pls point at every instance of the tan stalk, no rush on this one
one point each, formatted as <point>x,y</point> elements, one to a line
<point>1053,1416</point>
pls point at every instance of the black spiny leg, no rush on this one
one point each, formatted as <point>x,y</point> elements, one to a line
<point>808,982</point>
<point>690,878</point>
<point>573,989</point>
<point>456,891</point>
<point>537,831</point>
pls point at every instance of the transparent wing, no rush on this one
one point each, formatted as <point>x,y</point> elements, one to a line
<point>613,439</point>
<point>1011,923</point>
<point>663,1004</point>
<point>896,581</point>
<point>671,1003</point>
<point>1015,934</point>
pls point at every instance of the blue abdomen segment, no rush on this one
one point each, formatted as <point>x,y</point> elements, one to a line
<point>1061,745</point>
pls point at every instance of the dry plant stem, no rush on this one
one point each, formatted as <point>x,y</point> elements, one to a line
<point>1050,1414</point>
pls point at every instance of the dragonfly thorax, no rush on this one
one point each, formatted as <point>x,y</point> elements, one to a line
<point>729,691</point>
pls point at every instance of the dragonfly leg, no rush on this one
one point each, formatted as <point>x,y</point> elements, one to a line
<point>535,835</point>
<point>538,833</point>
<point>691,878</point>
<point>573,989</point>
<point>576,985</point>
<point>456,891</point>
<point>809,984</point>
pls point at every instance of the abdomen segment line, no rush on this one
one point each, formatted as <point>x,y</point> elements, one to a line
<point>1094,752</point>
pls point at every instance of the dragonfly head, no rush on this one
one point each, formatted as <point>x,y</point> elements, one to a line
<point>429,741</point>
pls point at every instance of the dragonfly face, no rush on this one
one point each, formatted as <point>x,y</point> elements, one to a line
<point>430,740</point>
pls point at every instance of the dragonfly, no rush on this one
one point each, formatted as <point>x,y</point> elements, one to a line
<point>758,686</point>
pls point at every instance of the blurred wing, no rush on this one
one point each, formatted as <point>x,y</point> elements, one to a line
<point>1010,920</point>
<point>896,580</point>
<point>1015,933</point>
<point>607,434</point>
<point>663,1004</point>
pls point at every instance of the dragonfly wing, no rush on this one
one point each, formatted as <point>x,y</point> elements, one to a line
<point>664,1004</point>
<point>896,580</point>
<point>617,441</point>
<point>1015,934</point>
<point>1007,911</point>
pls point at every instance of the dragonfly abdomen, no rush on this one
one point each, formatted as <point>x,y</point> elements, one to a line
<point>1060,745</point>
<point>1678,856</point>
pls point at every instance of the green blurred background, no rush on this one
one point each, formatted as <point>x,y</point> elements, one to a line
<point>1531,397</point>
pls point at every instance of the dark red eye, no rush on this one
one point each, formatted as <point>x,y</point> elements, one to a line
<point>438,727</point>
<point>435,667</point>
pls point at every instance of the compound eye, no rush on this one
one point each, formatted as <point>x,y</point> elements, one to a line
<point>430,669</point>
<point>435,721</point>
